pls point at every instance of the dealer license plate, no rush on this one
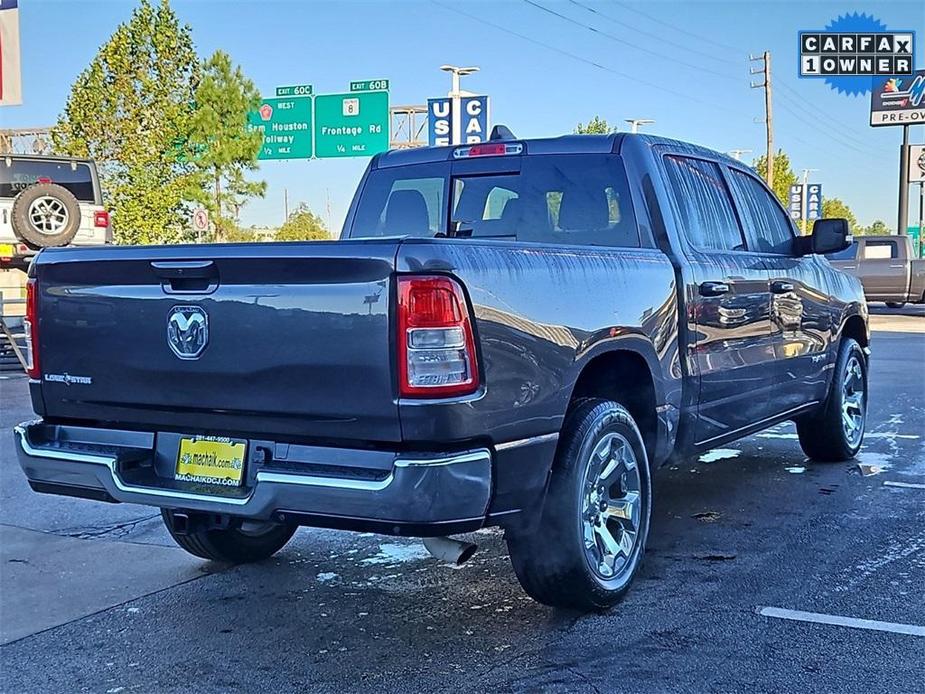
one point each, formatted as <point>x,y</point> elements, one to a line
<point>211,460</point>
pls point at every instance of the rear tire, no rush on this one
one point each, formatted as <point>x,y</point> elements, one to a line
<point>836,431</point>
<point>588,544</point>
<point>234,545</point>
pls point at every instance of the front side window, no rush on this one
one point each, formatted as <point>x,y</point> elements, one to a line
<point>18,174</point>
<point>766,224</point>
<point>703,204</point>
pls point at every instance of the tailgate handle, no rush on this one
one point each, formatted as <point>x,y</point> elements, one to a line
<point>186,276</point>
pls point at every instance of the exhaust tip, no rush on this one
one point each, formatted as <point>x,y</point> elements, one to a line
<point>455,552</point>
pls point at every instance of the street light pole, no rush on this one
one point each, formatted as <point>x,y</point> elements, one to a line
<point>737,153</point>
<point>636,122</point>
<point>455,95</point>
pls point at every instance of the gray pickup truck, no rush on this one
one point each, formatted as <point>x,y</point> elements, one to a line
<point>513,333</point>
<point>887,268</point>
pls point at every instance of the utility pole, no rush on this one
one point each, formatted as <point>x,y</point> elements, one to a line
<point>636,122</point>
<point>803,219</point>
<point>903,183</point>
<point>737,153</point>
<point>455,95</point>
<point>768,118</point>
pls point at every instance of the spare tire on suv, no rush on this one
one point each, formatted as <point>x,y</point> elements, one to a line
<point>45,215</point>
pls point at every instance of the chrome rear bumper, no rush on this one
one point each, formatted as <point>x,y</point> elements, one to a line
<point>416,491</point>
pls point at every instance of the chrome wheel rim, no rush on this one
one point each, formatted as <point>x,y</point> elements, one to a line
<point>48,215</point>
<point>853,406</point>
<point>611,507</point>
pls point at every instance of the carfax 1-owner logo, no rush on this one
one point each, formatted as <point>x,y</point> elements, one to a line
<point>853,49</point>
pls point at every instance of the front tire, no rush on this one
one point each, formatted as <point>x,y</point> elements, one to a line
<point>247,542</point>
<point>836,431</point>
<point>592,533</point>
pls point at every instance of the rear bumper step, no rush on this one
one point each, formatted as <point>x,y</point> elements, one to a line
<point>414,494</point>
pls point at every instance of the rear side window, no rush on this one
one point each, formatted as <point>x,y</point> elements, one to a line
<point>18,174</point>
<point>849,253</point>
<point>765,222</point>
<point>704,207</point>
<point>565,199</point>
<point>407,201</point>
<point>880,250</point>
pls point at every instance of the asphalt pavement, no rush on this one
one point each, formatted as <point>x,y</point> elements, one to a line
<point>761,566</point>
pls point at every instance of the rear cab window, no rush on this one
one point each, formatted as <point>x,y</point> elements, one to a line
<point>576,199</point>
<point>880,250</point>
<point>77,177</point>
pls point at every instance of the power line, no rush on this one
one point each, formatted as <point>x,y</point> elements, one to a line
<point>573,56</point>
<point>679,29</point>
<point>788,103</point>
<point>657,37</point>
<point>617,39</point>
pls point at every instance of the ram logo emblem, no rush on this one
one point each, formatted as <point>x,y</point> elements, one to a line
<point>187,331</point>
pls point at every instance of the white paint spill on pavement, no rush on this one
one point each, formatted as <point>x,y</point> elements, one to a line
<point>325,577</point>
<point>888,435</point>
<point>719,454</point>
<point>796,470</point>
<point>394,553</point>
<point>836,620</point>
<point>908,485</point>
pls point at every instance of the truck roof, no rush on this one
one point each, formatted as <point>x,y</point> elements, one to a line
<point>564,144</point>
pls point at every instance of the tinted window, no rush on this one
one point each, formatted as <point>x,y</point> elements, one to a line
<point>874,250</point>
<point>703,204</point>
<point>766,224</point>
<point>408,201</point>
<point>569,199</point>
<point>849,253</point>
<point>18,174</point>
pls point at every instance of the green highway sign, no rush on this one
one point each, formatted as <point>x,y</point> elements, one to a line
<point>355,124</point>
<point>286,125</point>
<point>295,90</point>
<point>369,86</point>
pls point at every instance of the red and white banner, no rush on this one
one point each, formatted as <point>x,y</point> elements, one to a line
<point>10,64</point>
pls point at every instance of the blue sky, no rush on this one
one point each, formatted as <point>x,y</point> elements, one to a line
<point>683,64</point>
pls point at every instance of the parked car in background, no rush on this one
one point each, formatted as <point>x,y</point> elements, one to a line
<point>887,268</point>
<point>48,201</point>
<point>510,334</point>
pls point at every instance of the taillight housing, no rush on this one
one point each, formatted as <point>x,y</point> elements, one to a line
<point>101,218</point>
<point>31,328</point>
<point>436,345</point>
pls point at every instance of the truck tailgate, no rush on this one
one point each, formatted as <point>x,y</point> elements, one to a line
<point>298,338</point>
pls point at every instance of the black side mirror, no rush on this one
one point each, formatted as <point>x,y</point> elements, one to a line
<point>830,236</point>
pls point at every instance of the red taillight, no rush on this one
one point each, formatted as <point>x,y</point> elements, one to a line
<point>31,326</point>
<point>436,346</point>
<point>101,218</point>
<point>490,149</point>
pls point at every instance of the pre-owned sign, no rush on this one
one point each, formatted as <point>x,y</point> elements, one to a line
<point>898,100</point>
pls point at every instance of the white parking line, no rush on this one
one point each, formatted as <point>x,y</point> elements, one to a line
<point>819,618</point>
<point>908,485</point>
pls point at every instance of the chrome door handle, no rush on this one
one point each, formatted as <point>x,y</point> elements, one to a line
<point>781,287</point>
<point>897,267</point>
<point>713,288</point>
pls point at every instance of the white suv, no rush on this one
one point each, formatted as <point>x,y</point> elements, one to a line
<point>48,201</point>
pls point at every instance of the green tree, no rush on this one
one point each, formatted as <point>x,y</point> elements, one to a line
<point>303,225</point>
<point>596,126</point>
<point>128,110</point>
<point>784,177</point>
<point>222,147</point>
<point>833,207</point>
<point>878,228</point>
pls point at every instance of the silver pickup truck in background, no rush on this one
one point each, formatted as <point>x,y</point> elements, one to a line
<point>886,266</point>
